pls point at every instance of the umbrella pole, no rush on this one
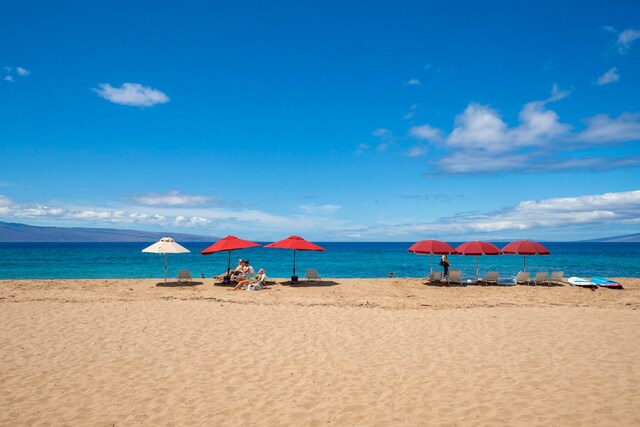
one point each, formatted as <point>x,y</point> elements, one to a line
<point>525,262</point>
<point>229,263</point>
<point>294,262</point>
<point>166,256</point>
<point>431,265</point>
<point>476,268</point>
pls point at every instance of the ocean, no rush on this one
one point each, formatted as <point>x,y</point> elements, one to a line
<point>340,260</point>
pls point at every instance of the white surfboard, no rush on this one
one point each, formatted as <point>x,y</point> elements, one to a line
<point>578,281</point>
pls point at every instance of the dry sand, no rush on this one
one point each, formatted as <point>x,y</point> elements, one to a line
<point>347,352</point>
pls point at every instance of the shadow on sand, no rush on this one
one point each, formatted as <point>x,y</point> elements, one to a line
<point>178,284</point>
<point>304,284</point>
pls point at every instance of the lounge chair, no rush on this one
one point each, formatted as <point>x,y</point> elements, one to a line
<point>556,278</point>
<point>312,276</point>
<point>540,279</point>
<point>258,285</point>
<point>184,276</point>
<point>435,276</point>
<point>522,278</point>
<point>492,277</point>
<point>454,276</point>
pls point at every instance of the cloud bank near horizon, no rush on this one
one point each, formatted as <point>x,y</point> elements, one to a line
<point>320,221</point>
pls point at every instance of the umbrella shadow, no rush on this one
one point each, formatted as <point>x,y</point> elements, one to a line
<point>178,284</point>
<point>303,284</point>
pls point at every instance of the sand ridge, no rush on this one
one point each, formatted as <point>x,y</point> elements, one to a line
<point>353,352</point>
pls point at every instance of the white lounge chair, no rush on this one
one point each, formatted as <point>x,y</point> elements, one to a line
<point>435,276</point>
<point>492,277</point>
<point>258,285</point>
<point>313,276</point>
<point>184,276</point>
<point>540,279</point>
<point>556,278</point>
<point>454,276</point>
<point>522,278</point>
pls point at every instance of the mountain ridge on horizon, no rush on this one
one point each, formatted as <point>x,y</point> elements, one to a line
<point>12,232</point>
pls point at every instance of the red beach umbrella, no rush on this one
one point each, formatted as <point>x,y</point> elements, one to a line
<point>477,248</point>
<point>431,247</point>
<point>296,243</point>
<point>524,248</point>
<point>229,243</point>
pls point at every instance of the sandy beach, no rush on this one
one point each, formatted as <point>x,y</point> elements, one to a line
<point>345,352</point>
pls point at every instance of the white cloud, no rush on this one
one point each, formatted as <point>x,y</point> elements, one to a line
<point>626,38</point>
<point>11,76</point>
<point>319,209</point>
<point>599,209</point>
<point>426,132</point>
<point>195,221</point>
<point>133,94</point>
<point>410,115</point>
<point>413,82</point>
<point>417,151</point>
<point>362,148</point>
<point>610,76</point>
<point>482,142</point>
<point>381,133</point>
<point>22,71</point>
<point>172,199</point>
<point>603,129</point>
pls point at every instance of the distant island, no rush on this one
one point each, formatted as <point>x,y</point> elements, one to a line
<point>14,232</point>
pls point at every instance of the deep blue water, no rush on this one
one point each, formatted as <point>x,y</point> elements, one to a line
<point>125,260</point>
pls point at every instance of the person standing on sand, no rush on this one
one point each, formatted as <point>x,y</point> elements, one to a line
<point>444,262</point>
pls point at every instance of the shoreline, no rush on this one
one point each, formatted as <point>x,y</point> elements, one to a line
<point>396,293</point>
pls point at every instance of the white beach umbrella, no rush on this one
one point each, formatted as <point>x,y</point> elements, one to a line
<point>166,246</point>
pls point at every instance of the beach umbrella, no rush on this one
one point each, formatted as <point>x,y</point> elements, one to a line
<point>229,243</point>
<point>295,243</point>
<point>431,247</point>
<point>524,248</point>
<point>166,246</point>
<point>477,248</point>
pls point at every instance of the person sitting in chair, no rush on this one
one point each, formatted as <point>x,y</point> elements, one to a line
<point>239,270</point>
<point>257,279</point>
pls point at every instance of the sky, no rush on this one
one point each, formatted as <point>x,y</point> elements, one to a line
<point>333,120</point>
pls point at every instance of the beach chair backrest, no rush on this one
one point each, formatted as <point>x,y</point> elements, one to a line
<point>492,276</point>
<point>313,274</point>
<point>556,276</point>
<point>435,276</point>
<point>523,276</point>
<point>541,277</point>
<point>455,276</point>
<point>184,275</point>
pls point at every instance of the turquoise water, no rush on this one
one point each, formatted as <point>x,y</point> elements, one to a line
<point>340,260</point>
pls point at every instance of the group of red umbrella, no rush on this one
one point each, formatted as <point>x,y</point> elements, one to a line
<point>477,248</point>
<point>232,243</point>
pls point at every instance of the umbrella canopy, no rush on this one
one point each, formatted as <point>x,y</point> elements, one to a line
<point>166,246</point>
<point>431,247</point>
<point>229,243</point>
<point>524,248</point>
<point>296,243</point>
<point>477,248</point>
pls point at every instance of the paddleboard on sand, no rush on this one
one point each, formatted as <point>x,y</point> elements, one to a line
<point>606,283</point>
<point>578,281</point>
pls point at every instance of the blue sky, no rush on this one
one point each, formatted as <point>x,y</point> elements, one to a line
<point>335,120</point>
